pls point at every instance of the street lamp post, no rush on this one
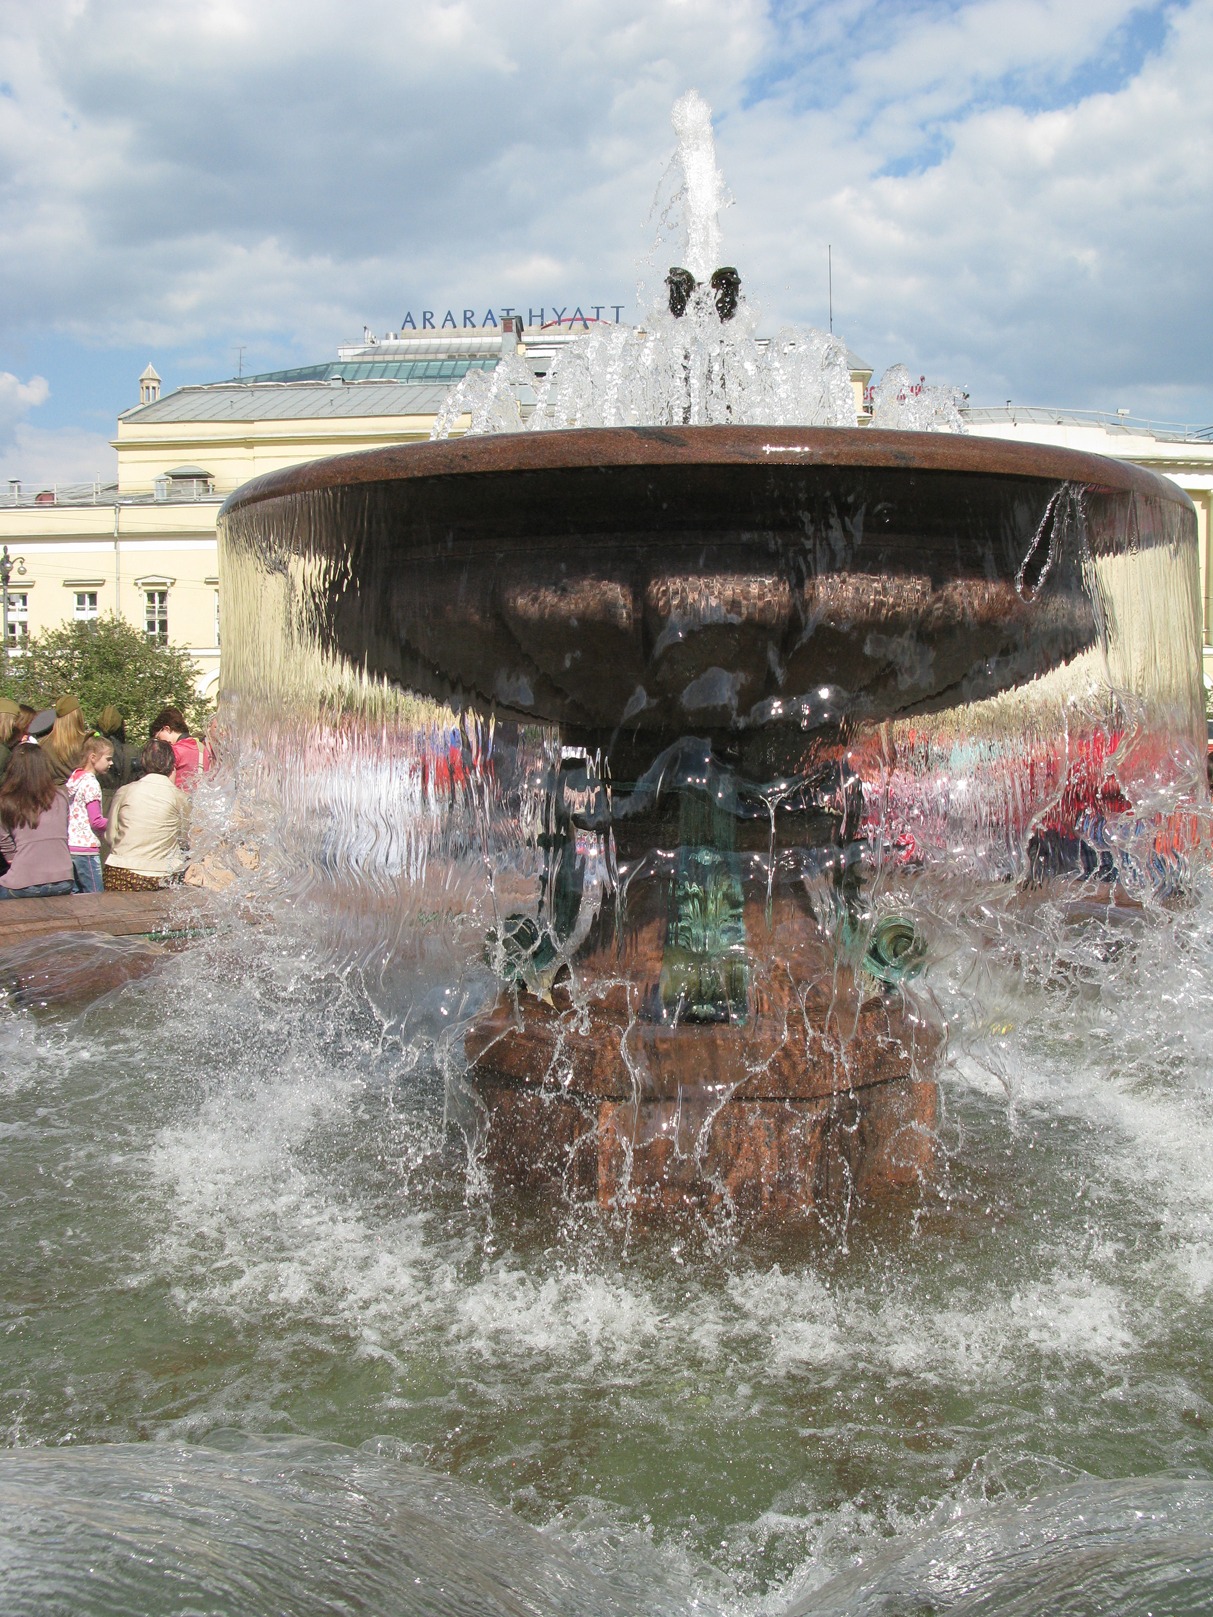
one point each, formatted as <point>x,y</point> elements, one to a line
<point>8,566</point>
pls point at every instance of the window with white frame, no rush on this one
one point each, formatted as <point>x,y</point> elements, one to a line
<point>86,609</point>
<point>18,619</point>
<point>155,616</point>
<point>217,641</point>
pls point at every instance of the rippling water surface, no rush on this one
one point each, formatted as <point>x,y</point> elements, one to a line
<point>268,1346</point>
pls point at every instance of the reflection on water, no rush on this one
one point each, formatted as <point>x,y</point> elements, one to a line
<point>235,1200</point>
<point>126,1528</point>
<point>1095,1546</point>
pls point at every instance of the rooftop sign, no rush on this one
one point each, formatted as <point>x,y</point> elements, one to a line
<point>544,316</point>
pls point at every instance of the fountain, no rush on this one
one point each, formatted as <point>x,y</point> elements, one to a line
<point>733,637</point>
<point>732,656</point>
<point>737,640</point>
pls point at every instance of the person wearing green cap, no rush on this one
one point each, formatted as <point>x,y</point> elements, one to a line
<point>9,714</point>
<point>62,746</point>
<point>125,766</point>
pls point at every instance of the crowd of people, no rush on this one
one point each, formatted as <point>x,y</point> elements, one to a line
<point>84,810</point>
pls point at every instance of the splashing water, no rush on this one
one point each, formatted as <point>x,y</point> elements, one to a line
<point>900,402</point>
<point>261,1224</point>
<point>696,369</point>
<point>691,371</point>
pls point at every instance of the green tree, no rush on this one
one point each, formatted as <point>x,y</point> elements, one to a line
<point>103,662</point>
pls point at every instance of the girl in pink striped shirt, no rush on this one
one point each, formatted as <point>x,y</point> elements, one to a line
<point>85,821</point>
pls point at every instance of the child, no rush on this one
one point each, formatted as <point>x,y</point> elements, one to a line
<point>85,819</point>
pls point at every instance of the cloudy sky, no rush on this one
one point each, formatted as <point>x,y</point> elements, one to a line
<point>1017,193</point>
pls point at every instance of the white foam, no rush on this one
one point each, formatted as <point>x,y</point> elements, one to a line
<point>568,1314</point>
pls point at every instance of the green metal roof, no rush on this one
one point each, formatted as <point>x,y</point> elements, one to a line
<point>375,370</point>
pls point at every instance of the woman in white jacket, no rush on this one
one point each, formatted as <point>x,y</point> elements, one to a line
<point>148,827</point>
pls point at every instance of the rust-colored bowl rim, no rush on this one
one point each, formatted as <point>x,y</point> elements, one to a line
<point>604,448</point>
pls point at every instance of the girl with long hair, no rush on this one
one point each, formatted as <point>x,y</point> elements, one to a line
<point>67,736</point>
<point>33,828</point>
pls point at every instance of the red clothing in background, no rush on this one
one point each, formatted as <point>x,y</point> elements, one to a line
<point>188,757</point>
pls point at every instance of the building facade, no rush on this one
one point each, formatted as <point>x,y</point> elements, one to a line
<point>145,548</point>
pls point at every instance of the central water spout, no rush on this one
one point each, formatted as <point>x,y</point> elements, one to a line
<point>702,182</point>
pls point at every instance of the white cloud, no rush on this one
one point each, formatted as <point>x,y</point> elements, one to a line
<point>1054,254</point>
<point>947,58</point>
<point>407,148</point>
<point>16,396</point>
<point>42,457</point>
<point>17,399</point>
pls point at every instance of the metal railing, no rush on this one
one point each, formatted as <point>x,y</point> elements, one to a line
<point>1109,420</point>
<point>40,496</point>
<point>15,493</point>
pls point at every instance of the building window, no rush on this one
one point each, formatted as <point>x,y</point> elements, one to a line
<point>217,640</point>
<point>155,616</point>
<point>86,606</point>
<point>18,620</point>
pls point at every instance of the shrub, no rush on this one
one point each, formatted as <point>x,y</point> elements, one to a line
<point>106,661</point>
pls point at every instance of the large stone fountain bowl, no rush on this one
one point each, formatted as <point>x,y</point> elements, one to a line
<point>667,579</point>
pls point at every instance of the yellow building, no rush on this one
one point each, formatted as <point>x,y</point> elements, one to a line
<point>86,551</point>
<point>145,546</point>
